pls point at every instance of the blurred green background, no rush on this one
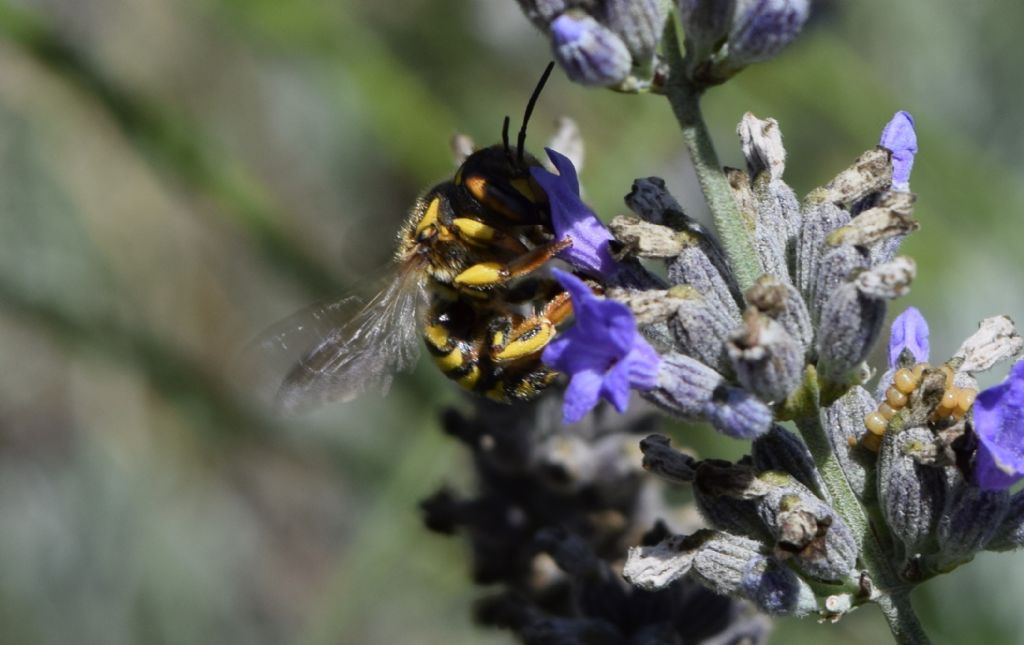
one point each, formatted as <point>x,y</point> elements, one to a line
<point>176,174</point>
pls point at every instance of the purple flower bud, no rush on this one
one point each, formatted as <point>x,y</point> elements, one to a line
<point>690,389</point>
<point>900,138</point>
<point>774,588</point>
<point>762,28</point>
<point>909,331</point>
<point>573,220</point>
<point>589,52</point>
<point>602,352</point>
<point>999,422</point>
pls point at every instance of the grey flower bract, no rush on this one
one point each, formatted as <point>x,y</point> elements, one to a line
<point>572,219</point>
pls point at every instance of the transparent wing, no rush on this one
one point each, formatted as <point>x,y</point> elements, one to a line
<point>338,350</point>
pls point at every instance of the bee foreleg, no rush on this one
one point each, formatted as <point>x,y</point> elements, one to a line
<point>531,335</point>
<point>485,274</point>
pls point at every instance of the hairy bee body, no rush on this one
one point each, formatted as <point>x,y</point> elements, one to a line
<point>468,284</point>
<point>477,238</point>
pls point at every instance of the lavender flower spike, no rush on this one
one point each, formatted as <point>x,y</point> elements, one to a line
<point>603,352</point>
<point>572,219</point>
<point>762,28</point>
<point>589,52</point>
<point>909,331</point>
<point>999,422</point>
<point>900,138</point>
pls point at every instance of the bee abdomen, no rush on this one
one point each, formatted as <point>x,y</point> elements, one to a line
<point>456,359</point>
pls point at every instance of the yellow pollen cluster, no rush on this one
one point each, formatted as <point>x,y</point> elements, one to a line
<point>955,402</point>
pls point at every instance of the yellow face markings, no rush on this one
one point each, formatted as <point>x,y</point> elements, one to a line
<point>449,361</point>
<point>444,233</point>
<point>481,274</point>
<point>474,230</point>
<point>429,216</point>
<point>529,343</point>
<point>437,336</point>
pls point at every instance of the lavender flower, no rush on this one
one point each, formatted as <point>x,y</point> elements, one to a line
<point>762,28</point>
<point>999,423</point>
<point>909,331</point>
<point>900,138</point>
<point>573,220</point>
<point>724,37</point>
<point>602,42</point>
<point>589,52</point>
<point>603,352</point>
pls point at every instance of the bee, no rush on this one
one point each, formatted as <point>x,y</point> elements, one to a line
<point>468,281</point>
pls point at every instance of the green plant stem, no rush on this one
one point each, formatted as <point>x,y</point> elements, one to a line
<point>735,231</point>
<point>902,619</point>
<point>893,599</point>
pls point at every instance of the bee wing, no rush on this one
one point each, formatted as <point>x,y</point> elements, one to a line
<point>342,349</point>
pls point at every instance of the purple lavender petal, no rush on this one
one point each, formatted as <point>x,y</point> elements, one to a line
<point>581,396</point>
<point>572,219</point>
<point>900,137</point>
<point>999,422</point>
<point>615,387</point>
<point>602,352</point>
<point>909,331</point>
<point>565,169</point>
<point>643,364</point>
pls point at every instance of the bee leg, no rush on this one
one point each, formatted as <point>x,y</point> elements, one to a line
<point>486,274</point>
<point>521,384</point>
<point>532,335</point>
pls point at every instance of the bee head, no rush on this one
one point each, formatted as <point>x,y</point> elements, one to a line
<point>498,177</point>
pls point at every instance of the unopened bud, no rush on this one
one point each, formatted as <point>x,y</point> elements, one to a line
<point>781,300</point>
<point>762,28</point>
<point>775,589</point>
<point>589,52</point>
<point>844,426</point>
<point>662,460</point>
<point>912,495</point>
<point>692,390</point>
<point>779,449</point>
<point>1010,533</point>
<point>766,360</point>
<point>806,529</point>
<point>700,328</point>
<point>971,517</point>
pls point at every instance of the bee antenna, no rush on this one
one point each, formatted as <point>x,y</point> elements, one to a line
<point>529,109</point>
<point>504,137</point>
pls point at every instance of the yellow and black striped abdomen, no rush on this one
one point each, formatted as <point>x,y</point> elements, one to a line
<point>457,359</point>
<point>467,363</point>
